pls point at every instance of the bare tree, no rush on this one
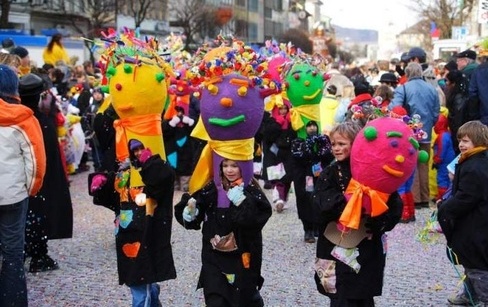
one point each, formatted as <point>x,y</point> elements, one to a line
<point>138,9</point>
<point>196,19</point>
<point>5,7</point>
<point>97,14</point>
<point>298,38</point>
<point>445,14</point>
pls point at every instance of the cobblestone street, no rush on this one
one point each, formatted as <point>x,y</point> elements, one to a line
<point>416,274</point>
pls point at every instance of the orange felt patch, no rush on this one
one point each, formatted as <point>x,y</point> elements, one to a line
<point>246,260</point>
<point>131,249</point>
<point>151,205</point>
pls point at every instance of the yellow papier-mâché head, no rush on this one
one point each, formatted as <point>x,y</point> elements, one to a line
<point>137,88</point>
<point>136,78</point>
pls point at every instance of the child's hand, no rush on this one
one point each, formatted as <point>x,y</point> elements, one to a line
<point>174,121</point>
<point>236,194</point>
<point>191,211</point>
<point>140,199</point>
<point>97,182</point>
<point>187,120</point>
<point>145,155</point>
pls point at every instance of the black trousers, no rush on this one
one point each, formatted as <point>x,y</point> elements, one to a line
<point>247,298</point>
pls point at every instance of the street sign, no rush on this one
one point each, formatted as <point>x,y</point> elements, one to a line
<point>483,11</point>
<point>459,33</point>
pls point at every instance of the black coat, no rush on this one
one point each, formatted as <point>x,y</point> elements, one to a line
<point>149,233</point>
<point>56,204</point>
<point>104,130</point>
<point>329,202</point>
<point>246,222</point>
<point>313,150</point>
<point>456,104</point>
<point>272,134</point>
<point>103,126</point>
<point>179,147</point>
<point>463,217</point>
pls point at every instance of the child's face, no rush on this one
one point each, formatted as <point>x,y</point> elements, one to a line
<point>341,146</point>
<point>311,130</point>
<point>231,170</point>
<point>97,96</point>
<point>465,144</point>
<point>137,152</point>
<point>283,110</point>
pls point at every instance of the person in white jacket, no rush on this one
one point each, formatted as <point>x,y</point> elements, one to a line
<point>22,165</point>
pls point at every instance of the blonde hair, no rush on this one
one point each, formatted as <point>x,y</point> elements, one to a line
<point>476,131</point>
<point>348,91</point>
<point>10,60</point>
<point>347,129</point>
<point>383,64</point>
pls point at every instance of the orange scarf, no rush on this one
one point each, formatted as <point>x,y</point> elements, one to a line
<point>351,216</point>
<point>149,124</point>
<point>471,152</point>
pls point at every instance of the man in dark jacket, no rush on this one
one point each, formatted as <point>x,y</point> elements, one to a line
<point>466,62</point>
<point>478,89</point>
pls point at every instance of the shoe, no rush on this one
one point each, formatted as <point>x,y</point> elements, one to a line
<point>423,204</point>
<point>42,264</point>
<point>460,299</point>
<point>83,168</point>
<point>407,220</point>
<point>279,205</point>
<point>268,185</point>
<point>308,237</point>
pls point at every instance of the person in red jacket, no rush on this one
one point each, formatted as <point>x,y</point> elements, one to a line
<point>443,154</point>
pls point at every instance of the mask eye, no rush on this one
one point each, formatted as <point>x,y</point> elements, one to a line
<point>213,89</point>
<point>370,133</point>
<point>242,91</point>
<point>296,76</point>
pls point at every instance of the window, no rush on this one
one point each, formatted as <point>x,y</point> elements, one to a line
<point>241,28</point>
<point>268,27</point>
<point>253,5</point>
<point>277,29</point>
<point>241,3</point>
<point>253,32</point>
<point>268,13</point>
<point>278,5</point>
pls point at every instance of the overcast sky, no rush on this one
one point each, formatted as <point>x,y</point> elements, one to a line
<point>372,14</point>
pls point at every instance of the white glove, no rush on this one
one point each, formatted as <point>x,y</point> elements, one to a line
<point>191,211</point>
<point>236,194</point>
<point>187,120</point>
<point>174,121</point>
<point>140,199</point>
